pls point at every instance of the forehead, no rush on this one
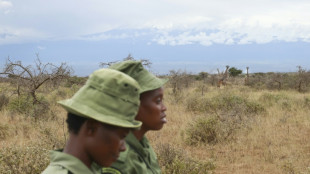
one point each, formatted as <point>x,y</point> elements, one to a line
<point>153,93</point>
<point>115,128</point>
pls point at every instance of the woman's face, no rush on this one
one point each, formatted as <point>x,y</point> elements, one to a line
<point>106,144</point>
<point>152,110</point>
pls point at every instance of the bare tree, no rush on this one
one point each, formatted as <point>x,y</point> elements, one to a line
<point>302,78</point>
<point>32,78</point>
<point>275,80</point>
<point>145,62</point>
<point>203,76</point>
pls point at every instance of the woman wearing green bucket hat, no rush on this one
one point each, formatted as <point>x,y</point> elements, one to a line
<point>100,115</point>
<point>140,158</point>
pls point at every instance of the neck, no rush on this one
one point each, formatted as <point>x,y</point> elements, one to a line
<point>75,148</point>
<point>139,133</point>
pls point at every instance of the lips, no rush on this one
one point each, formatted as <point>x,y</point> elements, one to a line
<point>116,157</point>
<point>163,119</point>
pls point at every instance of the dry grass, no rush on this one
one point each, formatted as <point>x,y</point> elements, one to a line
<point>274,141</point>
<point>277,142</point>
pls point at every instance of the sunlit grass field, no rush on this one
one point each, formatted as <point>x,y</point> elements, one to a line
<point>232,129</point>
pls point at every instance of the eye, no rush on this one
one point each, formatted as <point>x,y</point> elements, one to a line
<point>159,100</point>
<point>123,136</point>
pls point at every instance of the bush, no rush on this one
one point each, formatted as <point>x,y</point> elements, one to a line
<point>24,105</point>
<point>224,103</point>
<point>4,131</point>
<point>26,160</point>
<point>270,99</point>
<point>175,161</point>
<point>203,130</point>
<point>224,115</point>
<point>3,100</point>
<point>306,102</point>
<point>74,80</point>
<point>279,99</point>
<point>215,129</point>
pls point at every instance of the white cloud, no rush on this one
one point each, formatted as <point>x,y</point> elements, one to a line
<point>5,6</point>
<point>10,35</point>
<point>41,47</point>
<point>172,22</point>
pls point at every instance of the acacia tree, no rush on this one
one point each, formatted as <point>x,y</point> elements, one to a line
<point>275,80</point>
<point>32,78</point>
<point>234,71</point>
<point>145,62</point>
<point>303,78</point>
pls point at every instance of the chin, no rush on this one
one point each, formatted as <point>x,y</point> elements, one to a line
<point>106,164</point>
<point>159,127</point>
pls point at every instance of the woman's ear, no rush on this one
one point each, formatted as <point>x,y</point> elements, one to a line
<point>91,127</point>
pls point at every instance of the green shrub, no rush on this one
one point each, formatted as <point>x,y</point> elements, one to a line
<point>74,80</point>
<point>23,160</point>
<point>194,103</point>
<point>306,102</point>
<point>280,100</point>
<point>271,99</point>
<point>214,129</point>
<point>41,109</point>
<point>224,115</point>
<point>224,103</point>
<point>3,100</point>
<point>288,168</point>
<point>4,131</point>
<point>176,161</point>
<point>24,105</point>
<point>203,130</point>
<point>48,137</point>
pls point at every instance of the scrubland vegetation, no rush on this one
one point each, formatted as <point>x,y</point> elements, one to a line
<point>257,126</point>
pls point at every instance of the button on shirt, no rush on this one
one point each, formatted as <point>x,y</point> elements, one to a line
<point>139,158</point>
<point>63,163</point>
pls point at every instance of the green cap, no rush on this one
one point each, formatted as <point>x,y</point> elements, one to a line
<point>135,69</point>
<point>109,96</point>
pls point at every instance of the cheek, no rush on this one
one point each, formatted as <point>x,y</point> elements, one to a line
<point>105,150</point>
<point>112,142</point>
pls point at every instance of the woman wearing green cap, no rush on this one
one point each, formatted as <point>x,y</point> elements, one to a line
<point>139,158</point>
<point>97,124</point>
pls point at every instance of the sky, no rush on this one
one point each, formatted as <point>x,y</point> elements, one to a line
<point>186,35</point>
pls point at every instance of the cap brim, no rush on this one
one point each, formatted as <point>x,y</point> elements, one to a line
<point>74,108</point>
<point>154,83</point>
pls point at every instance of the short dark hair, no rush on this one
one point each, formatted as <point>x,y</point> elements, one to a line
<point>75,122</point>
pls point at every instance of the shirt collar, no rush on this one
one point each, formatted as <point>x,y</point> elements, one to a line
<point>139,146</point>
<point>69,162</point>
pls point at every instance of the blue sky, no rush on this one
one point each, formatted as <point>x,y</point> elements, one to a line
<point>196,35</point>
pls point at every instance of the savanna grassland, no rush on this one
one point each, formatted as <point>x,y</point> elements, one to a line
<point>236,128</point>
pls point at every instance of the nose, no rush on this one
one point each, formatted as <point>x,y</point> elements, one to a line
<point>122,146</point>
<point>163,108</point>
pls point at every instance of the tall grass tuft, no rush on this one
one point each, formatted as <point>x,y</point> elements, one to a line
<point>176,161</point>
<point>4,100</point>
<point>26,159</point>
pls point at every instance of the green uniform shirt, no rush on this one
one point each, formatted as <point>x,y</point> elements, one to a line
<point>63,163</point>
<point>139,158</point>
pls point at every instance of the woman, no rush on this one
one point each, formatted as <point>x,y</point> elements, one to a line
<point>139,158</point>
<point>100,116</point>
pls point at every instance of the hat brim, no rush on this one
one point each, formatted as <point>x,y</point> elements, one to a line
<point>152,84</point>
<point>79,109</point>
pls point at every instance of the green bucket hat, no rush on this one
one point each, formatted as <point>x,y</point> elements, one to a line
<point>135,69</point>
<point>109,96</point>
